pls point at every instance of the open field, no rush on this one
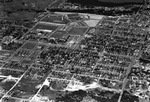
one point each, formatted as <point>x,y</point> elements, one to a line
<point>92,16</point>
<point>58,34</point>
<point>46,27</point>
<point>91,23</point>
<point>29,45</point>
<point>60,19</point>
<point>77,31</point>
<point>26,88</point>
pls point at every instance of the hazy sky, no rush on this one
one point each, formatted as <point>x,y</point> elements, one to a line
<point>121,0</point>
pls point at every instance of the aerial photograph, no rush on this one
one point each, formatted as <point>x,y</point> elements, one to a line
<point>74,50</point>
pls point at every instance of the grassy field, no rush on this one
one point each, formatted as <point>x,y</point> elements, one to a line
<point>56,19</point>
<point>29,46</point>
<point>58,34</point>
<point>46,27</point>
<point>26,88</point>
<point>77,31</point>
<point>91,23</point>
